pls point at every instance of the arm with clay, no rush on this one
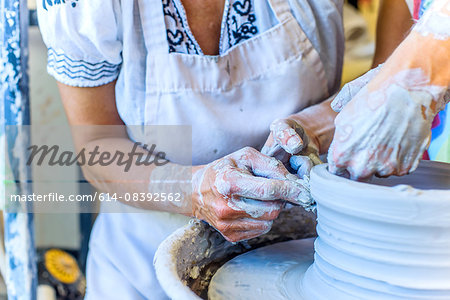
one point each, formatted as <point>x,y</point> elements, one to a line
<point>217,188</point>
<point>385,128</point>
<point>307,133</point>
<point>312,129</point>
<point>393,25</point>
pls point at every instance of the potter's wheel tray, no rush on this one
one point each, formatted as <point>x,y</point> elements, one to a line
<point>271,273</point>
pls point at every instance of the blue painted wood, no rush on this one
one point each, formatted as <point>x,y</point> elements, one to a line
<point>21,277</point>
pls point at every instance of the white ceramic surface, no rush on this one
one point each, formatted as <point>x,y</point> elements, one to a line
<point>386,240</point>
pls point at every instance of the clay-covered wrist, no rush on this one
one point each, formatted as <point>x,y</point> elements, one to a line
<point>425,48</point>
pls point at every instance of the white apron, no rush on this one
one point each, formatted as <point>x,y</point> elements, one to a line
<point>230,101</point>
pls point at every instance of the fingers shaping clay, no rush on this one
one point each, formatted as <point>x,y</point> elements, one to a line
<point>386,239</point>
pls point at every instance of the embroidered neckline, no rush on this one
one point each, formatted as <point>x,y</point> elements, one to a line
<point>238,25</point>
<point>241,23</point>
<point>49,3</point>
<point>180,39</point>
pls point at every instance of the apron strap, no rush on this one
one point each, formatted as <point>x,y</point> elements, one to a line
<point>153,25</point>
<point>282,9</point>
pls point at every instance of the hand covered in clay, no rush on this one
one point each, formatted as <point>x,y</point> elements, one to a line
<point>386,127</point>
<point>240,195</point>
<point>289,142</point>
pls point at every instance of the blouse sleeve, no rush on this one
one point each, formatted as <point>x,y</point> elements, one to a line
<point>83,38</point>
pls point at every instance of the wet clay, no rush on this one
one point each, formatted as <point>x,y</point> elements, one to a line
<point>385,239</point>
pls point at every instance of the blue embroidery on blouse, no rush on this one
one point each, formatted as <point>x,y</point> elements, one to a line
<point>178,37</point>
<point>79,69</point>
<point>239,23</point>
<point>56,2</point>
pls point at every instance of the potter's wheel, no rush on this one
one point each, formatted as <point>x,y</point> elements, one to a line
<point>384,240</point>
<point>270,272</point>
<point>387,239</point>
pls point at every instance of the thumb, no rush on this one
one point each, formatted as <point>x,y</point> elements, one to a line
<point>352,88</point>
<point>289,135</point>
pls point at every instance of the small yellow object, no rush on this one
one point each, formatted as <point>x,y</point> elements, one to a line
<point>62,266</point>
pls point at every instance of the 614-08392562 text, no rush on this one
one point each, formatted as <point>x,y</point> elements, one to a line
<point>102,197</point>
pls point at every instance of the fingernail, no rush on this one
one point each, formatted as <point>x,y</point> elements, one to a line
<point>268,227</point>
<point>305,169</point>
<point>304,199</point>
<point>303,196</point>
<point>294,144</point>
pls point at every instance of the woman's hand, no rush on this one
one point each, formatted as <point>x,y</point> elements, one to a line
<point>289,142</point>
<point>241,194</point>
<point>386,127</point>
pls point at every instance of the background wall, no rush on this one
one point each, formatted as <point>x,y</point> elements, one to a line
<point>360,28</point>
